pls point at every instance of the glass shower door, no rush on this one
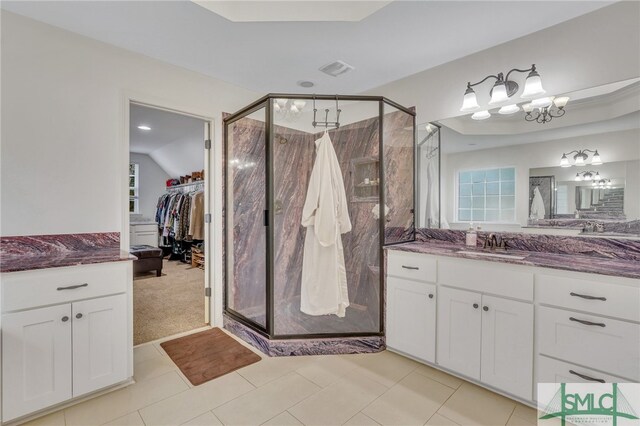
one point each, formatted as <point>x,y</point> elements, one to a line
<point>246,203</point>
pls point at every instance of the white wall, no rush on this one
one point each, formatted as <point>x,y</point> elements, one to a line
<point>64,124</point>
<point>594,49</point>
<point>616,146</point>
<point>152,183</point>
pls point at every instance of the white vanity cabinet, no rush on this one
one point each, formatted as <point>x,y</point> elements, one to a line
<point>509,327</point>
<point>80,344</point>
<point>143,234</point>
<point>486,338</point>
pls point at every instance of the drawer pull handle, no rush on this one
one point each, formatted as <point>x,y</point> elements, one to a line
<point>475,306</point>
<point>410,267</point>
<point>72,287</point>
<point>582,376</point>
<point>78,315</point>
<point>430,295</point>
<point>65,318</point>
<point>485,308</point>
<point>585,322</point>
<point>584,296</point>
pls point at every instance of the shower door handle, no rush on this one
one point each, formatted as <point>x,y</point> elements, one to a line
<point>266,217</point>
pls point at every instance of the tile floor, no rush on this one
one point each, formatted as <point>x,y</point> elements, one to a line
<point>371,389</point>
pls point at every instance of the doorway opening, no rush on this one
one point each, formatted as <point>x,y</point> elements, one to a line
<point>167,183</point>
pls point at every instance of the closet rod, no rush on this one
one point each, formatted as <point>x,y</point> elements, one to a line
<point>184,185</point>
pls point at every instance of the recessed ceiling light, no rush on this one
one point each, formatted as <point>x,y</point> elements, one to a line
<point>306,83</point>
<point>143,127</point>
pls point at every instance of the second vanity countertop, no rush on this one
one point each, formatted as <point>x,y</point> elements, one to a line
<point>576,263</point>
<point>16,263</point>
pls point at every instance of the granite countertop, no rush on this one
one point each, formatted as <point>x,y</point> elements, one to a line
<point>567,262</point>
<point>22,262</point>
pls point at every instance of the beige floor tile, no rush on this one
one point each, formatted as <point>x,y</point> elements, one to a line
<point>438,420</point>
<point>260,405</point>
<point>517,421</point>
<point>116,404</point>
<point>471,404</point>
<point>53,419</point>
<point>361,420</point>
<point>195,401</point>
<point>340,401</point>
<point>526,413</point>
<point>283,419</point>
<point>153,367</point>
<point>132,419</point>
<point>271,368</point>
<point>439,376</point>
<point>325,370</point>
<point>145,352</point>
<point>412,401</point>
<point>206,419</point>
<point>385,367</point>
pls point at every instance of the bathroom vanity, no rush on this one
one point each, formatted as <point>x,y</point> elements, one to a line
<point>66,327</point>
<point>508,323</point>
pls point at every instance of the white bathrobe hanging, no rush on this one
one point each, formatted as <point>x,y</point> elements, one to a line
<point>326,217</point>
<point>537,205</point>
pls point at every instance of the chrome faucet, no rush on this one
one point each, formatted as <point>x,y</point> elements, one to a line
<point>492,242</point>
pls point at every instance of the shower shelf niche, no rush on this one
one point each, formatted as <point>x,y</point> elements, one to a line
<point>365,174</point>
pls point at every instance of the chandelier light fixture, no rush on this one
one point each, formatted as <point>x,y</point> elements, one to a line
<point>501,92</point>
<point>588,176</point>
<point>544,110</point>
<point>581,158</point>
<point>288,109</point>
<point>602,184</point>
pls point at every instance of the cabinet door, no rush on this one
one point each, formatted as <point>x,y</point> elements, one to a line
<point>507,345</point>
<point>411,318</point>
<point>36,360</point>
<point>99,343</point>
<point>459,317</point>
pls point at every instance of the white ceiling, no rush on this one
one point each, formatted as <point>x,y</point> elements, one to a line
<point>166,128</point>
<point>304,10</point>
<point>398,40</point>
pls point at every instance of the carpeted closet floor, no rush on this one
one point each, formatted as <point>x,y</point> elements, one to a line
<point>170,304</point>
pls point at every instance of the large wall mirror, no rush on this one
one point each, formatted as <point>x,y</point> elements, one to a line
<point>573,170</point>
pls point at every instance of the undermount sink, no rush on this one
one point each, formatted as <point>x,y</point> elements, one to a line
<point>489,254</point>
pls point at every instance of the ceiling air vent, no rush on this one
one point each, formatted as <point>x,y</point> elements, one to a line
<point>336,68</point>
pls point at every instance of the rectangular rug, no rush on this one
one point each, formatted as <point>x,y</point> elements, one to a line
<point>209,354</point>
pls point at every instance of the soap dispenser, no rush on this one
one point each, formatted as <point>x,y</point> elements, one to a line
<point>472,236</point>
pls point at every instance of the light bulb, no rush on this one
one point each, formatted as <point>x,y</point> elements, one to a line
<point>561,101</point>
<point>281,103</point>
<point>527,107</point>
<point>499,93</point>
<point>481,115</point>
<point>470,102</point>
<point>533,86</point>
<point>587,176</point>
<point>579,160</point>
<point>300,104</point>
<point>509,109</point>
<point>564,161</point>
<point>596,160</point>
<point>578,178</point>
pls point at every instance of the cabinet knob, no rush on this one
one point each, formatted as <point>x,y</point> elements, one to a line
<point>475,306</point>
<point>78,315</point>
<point>431,296</point>
<point>65,318</point>
<point>485,308</point>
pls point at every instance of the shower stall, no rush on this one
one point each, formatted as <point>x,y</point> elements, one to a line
<point>269,153</point>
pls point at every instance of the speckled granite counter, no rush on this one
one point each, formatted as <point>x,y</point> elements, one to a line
<point>24,253</point>
<point>576,263</point>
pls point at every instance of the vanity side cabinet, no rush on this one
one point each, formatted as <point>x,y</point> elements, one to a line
<point>36,364</point>
<point>507,345</point>
<point>99,343</point>
<point>459,328</point>
<point>411,318</point>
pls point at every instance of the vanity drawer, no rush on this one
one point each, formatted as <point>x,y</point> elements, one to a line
<point>30,289</point>
<point>486,277</point>
<point>554,371</point>
<point>615,300</point>
<point>600,343</point>
<point>413,266</point>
